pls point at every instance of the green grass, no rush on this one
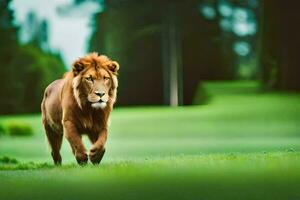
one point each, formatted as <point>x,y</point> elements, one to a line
<point>242,145</point>
<point>210,176</point>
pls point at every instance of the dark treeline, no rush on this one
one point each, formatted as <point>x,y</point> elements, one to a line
<point>148,36</point>
<point>151,39</point>
<point>166,48</point>
<point>280,43</point>
<point>25,69</point>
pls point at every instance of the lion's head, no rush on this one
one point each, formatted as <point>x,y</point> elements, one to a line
<point>95,81</point>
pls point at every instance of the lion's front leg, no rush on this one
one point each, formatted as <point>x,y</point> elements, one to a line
<point>98,149</point>
<point>76,143</point>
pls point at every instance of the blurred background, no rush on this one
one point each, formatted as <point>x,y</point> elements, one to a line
<point>201,74</point>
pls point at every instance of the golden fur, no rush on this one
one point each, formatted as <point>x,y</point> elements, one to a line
<point>81,103</point>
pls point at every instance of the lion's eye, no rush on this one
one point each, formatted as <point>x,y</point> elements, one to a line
<point>90,78</point>
<point>106,78</point>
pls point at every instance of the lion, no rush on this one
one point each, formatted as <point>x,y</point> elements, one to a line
<point>81,103</point>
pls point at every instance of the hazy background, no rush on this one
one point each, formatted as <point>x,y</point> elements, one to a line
<point>165,48</point>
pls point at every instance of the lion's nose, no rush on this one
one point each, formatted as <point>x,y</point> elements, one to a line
<point>100,94</point>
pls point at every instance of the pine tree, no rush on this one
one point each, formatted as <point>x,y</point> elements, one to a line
<point>8,47</point>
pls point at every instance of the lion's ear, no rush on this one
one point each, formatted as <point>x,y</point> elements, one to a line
<point>77,67</point>
<point>114,67</point>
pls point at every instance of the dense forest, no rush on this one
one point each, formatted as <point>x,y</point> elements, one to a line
<point>25,69</point>
<point>165,48</point>
<point>280,42</point>
<point>182,43</point>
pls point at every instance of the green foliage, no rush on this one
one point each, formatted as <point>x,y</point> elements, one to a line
<point>13,164</point>
<point>25,70</point>
<point>41,69</point>
<point>27,76</point>
<point>8,160</point>
<point>8,33</point>
<point>2,130</point>
<point>19,129</point>
<point>8,41</point>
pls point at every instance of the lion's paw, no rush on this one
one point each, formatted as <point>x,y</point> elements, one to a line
<point>96,155</point>
<point>81,158</point>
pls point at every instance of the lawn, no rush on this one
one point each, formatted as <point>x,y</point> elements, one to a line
<point>241,145</point>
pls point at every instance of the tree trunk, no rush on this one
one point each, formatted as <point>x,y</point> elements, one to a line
<point>280,43</point>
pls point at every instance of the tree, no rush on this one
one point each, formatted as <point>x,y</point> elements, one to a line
<point>279,40</point>
<point>25,70</point>
<point>158,42</point>
<point>39,70</point>
<point>8,47</point>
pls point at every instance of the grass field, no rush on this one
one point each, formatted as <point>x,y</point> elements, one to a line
<point>242,145</point>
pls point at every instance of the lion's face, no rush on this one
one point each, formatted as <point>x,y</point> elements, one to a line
<point>95,81</point>
<point>96,86</point>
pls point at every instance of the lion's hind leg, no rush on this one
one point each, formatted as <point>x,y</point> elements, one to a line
<point>55,141</point>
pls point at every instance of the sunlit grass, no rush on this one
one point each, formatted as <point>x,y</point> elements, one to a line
<point>242,145</point>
